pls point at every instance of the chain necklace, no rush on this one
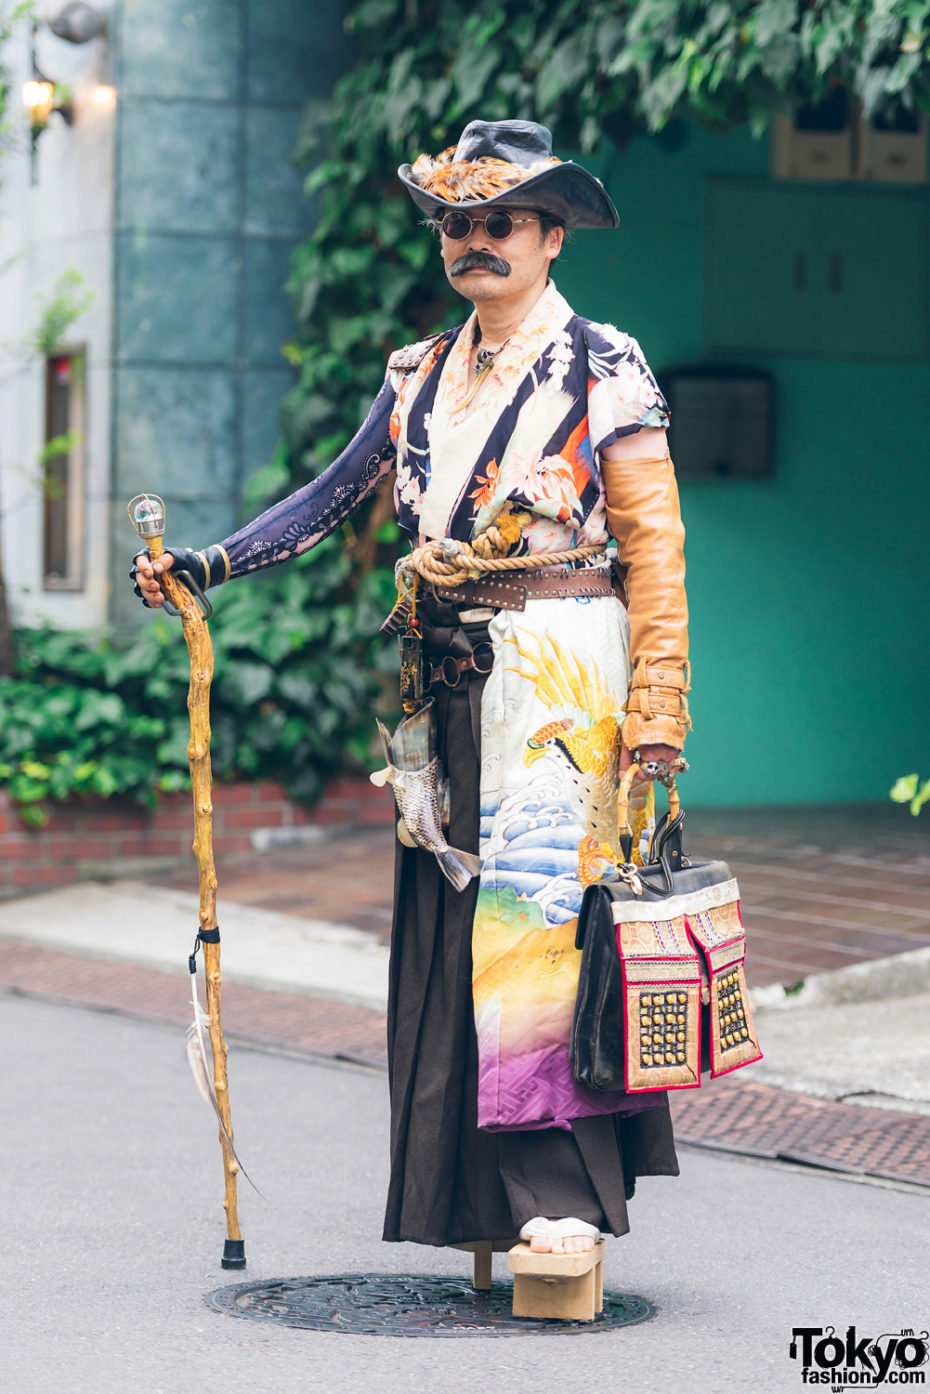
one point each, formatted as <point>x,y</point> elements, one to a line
<point>484,362</point>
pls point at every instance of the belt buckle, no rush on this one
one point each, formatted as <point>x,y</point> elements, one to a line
<point>486,650</point>
<point>456,670</point>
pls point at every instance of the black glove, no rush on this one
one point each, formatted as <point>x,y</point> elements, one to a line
<point>207,568</point>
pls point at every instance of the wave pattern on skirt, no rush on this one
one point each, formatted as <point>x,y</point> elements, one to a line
<point>550,747</point>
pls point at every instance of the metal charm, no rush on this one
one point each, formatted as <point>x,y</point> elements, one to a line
<point>411,670</point>
<point>662,770</point>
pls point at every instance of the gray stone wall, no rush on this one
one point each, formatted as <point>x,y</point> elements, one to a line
<point>207,212</point>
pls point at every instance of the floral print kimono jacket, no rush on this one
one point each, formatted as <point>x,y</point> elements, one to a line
<point>561,389</point>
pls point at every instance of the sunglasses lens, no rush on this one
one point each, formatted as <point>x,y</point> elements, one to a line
<point>456,226</point>
<point>499,225</point>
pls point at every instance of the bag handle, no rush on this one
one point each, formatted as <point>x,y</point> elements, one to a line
<point>623,806</point>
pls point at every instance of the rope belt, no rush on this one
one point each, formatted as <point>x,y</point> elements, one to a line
<point>460,574</point>
<point>448,562</point>
<point>466,576</point>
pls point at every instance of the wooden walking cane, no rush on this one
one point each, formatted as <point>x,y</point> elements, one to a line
<point>147,514</point>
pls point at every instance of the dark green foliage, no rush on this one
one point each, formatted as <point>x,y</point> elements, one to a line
<point>294,647</point>
<point>368,279</point>
<point>293,692</point>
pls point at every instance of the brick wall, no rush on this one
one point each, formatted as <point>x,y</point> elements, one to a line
<point>90,838</point>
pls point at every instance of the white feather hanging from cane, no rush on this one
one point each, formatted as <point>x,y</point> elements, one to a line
<point>200,1058</point>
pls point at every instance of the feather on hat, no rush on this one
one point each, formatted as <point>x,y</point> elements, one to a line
<point>508,163</point>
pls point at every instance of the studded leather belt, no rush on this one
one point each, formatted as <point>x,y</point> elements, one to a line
<point>510,590</point>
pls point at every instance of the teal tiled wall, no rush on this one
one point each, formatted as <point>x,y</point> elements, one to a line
<point>810,608</point>
<point>207,211</point>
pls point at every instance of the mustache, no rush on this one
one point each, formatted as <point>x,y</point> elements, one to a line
<point>480,261</point>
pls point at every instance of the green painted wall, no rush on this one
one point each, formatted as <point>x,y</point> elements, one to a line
<point>809,592</point>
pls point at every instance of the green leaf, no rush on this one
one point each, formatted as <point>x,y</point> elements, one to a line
<point>905,788</point>
<point>99,709</point>
<point>34,769</point>
<point>471,73</point>
<point>249,682</point>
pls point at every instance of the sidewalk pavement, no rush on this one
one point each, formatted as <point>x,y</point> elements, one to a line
<point>113,1230</point>
<point>837,905</point>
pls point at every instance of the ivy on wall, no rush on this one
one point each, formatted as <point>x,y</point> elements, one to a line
<point>292,695</point>
<point>368,279</point>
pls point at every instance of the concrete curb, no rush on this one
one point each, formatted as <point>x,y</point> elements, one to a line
<point>898,975</point>
<point>132,922</point>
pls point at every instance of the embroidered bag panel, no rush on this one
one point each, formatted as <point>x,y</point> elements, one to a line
<point>662,1004</point>
<point>718,933</point>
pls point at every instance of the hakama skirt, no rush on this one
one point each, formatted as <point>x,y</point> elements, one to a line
<point>451,1182</point>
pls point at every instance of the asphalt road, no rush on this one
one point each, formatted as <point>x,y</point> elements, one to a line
<point>110,1186</point>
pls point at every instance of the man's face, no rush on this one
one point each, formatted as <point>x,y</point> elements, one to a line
<point>485,268</point>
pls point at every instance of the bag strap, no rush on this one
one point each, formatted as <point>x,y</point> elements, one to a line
<point>666,840</point>
<point>623,801</point>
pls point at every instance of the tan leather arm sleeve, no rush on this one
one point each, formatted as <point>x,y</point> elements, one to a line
<point>644,516</point>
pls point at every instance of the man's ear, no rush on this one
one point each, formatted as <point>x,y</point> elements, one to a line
<point>554,241</point>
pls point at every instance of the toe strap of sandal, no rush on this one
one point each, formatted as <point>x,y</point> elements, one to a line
<point>572,1228</point>
<point>541,1228</point>
<point>537,1228</point>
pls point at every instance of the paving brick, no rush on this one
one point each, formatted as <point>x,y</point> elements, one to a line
<point>760,1120</point>
<point>250,818</point>
<point>23,848</point>
<point>311,881</point>
<point>232,842</point>
<point>291,1021</point>
<point>171,819</point>
<point>374,813</point>
<point>327,816</point>
<point>95,820</point>
<point>41,877</point>
<point>267,790</point>
<point>726,1114</point>
<point>229,793</point>
<point>135,847</point>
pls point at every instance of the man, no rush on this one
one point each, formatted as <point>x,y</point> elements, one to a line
<point>526,432</point>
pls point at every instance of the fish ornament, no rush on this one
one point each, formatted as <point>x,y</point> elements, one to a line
<point>421,793</point>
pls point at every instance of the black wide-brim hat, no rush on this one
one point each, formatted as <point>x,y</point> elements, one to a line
<point>508,164</point>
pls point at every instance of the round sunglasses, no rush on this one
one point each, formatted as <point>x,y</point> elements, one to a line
<point>498,225</point>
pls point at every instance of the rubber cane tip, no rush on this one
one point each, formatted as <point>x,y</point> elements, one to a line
<point>233,1254</point>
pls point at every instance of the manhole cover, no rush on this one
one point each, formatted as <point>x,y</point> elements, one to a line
<point>385,1304</point>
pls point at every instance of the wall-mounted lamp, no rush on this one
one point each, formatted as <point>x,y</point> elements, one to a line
<point>77,23</point>
<point>41,97</point>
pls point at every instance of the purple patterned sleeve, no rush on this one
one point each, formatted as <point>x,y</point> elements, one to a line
<point>304,518</point>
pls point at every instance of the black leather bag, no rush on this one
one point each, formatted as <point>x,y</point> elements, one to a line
<point>662,982</point>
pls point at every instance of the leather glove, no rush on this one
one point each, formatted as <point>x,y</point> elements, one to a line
<point>644,516</point>
<point>207,568</point>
